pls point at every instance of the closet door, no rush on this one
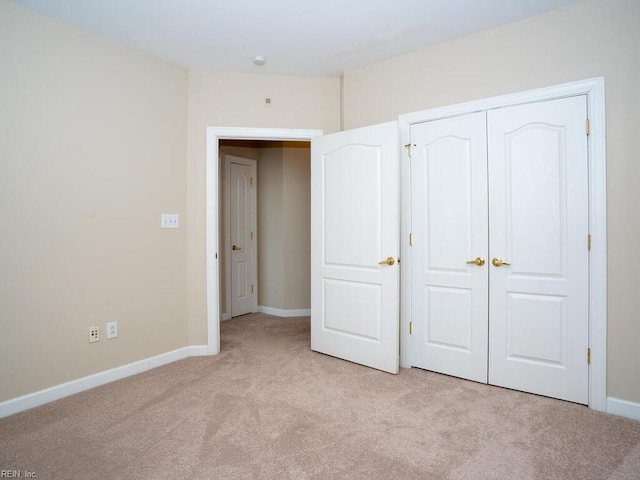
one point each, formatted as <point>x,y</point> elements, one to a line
<point>449,267</point>
<point>538,211</point>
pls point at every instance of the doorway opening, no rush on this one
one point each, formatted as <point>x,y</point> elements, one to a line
<point>265,227</point>
<point>216,138</point>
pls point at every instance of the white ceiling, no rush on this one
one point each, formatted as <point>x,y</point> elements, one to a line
<point>296,37</point>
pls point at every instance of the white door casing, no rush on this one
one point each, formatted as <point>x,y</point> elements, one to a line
<point>539,223</point>
<point>355,226</point>
<point>450,229</point>
<point>242,251</point>
<point>213,218</point>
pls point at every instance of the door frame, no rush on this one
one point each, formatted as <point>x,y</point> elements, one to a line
<point>212,205</point>
<point>594,89</point>
<point>226,244</point>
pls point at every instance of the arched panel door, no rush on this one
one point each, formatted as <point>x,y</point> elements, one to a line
<point>355,246</point>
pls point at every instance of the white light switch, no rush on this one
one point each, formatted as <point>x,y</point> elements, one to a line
<point>169,220</point>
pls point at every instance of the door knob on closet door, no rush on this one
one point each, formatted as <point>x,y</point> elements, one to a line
<point>387,261</point>
<point>234,248</point>
<point>497,262</point>
<point>479,261</point>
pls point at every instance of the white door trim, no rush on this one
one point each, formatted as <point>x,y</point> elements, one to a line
<point>595,90</point>
<point>252,164</point>
<point>214,135</point>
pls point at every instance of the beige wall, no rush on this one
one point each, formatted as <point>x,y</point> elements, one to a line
<point>588,39</point>
<point>270,227</point>
<point>296,212</point>
<point>284,226</point>
<point>92,151</point>
<point>231,100</point>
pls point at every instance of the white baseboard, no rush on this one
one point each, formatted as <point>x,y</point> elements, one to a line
<point>225,317</point>
<point>285,313</point>
<point>35,399</point>
<point>198,351</point>
<point>615,406</point>
<point>623,408</point>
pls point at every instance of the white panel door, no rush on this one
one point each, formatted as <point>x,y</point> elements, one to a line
<point>354,227</point>
<point>449,225</point>
<point>538,211</point>
<point>240,201</point>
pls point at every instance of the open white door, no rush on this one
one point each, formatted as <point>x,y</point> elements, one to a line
<point>354,231</point>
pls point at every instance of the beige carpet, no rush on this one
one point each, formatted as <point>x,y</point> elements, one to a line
<point>267,407</point>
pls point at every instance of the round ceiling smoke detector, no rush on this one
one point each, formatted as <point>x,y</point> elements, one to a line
<point>258,60</point>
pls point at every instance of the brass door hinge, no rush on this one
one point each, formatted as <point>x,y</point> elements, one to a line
<point>589,242</point>
<point>588,127</point>
<point>410,328</point>
<point>411,239</point>
<point>251,235</point>
<point>588,356</point>
<point>408,147</point>
<point>251,288</point>
<point>251,182</point>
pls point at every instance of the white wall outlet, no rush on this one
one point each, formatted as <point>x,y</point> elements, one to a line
<point>94,334</point>
<point>169,220</point>
<point>112,330</point>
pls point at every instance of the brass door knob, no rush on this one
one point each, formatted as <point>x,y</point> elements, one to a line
<point>479,261</point>
<point>497,262</point>
<point>234,248</point>
<point>388,261</point>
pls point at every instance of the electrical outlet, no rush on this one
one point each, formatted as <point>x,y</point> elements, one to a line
<point>112,330</point>
<point>94,334</point>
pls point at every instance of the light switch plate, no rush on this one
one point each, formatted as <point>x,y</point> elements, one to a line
<point>169,220</point>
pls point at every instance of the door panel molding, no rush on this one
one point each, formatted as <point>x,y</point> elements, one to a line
<point>594,89</point>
